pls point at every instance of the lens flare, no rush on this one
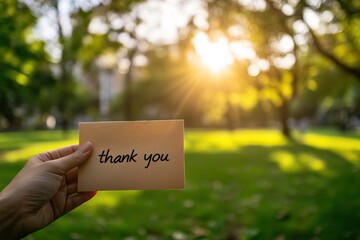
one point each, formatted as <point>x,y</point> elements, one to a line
<point>215,55</point>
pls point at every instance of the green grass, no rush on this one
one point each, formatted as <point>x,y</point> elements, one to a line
<point>246,184</point>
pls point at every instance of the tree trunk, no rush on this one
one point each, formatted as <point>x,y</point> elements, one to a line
<point>64,78</point>
<point>128,98</point>
<point>283,117</point>
<point>230,115</point>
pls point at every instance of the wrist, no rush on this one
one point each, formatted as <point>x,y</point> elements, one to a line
<point>9,217</point>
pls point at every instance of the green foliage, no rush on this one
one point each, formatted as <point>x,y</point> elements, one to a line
<point>82,48</point>
<point>24,71</point>
<point>171,85</point>
<point>249,184</point>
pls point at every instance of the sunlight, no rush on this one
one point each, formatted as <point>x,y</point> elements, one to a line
<point>290,162</point>
<point>286,161</point>
<point>216,56</point>
<point>225,141</point>
<point>111,199</point>
<point>243,50</point>
<point>25,153</point>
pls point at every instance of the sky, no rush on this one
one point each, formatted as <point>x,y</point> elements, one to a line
<point>162,21</point>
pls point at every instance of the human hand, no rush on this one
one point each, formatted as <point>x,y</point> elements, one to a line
<point>43,190</point>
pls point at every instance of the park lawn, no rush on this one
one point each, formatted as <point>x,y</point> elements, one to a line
<point>245,184</point>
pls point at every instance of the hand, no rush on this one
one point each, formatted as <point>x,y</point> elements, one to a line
<point>44,190</point>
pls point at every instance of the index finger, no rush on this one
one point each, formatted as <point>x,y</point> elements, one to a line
<point>75,158</point>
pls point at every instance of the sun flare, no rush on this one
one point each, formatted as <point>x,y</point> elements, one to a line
<point>215,55</point>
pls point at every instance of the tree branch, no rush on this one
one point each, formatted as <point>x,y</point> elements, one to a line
<point>295,68</point>
<point>351,70</point>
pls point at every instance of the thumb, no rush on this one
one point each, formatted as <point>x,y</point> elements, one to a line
<point>74,159</point>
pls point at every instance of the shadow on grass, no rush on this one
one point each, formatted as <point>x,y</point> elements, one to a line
<point>243,194</point>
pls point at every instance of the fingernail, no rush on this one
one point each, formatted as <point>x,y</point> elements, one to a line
<point>86,147</point>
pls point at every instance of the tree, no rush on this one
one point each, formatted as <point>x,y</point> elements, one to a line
<point>274,66</point>
<point>331,28</point>
<point>79,48</point>
<point>273,26</point>
<point>23,65</point>
<point>338,38</point>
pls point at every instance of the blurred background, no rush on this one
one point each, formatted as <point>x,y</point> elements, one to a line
<point>268,89</point>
